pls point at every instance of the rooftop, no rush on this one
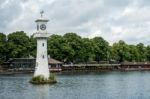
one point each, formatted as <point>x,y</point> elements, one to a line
<point>53,61</point>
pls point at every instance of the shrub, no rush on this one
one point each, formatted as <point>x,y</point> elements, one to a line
<point>52,77</point>
<point>41,80</point>
<point>38,78</point>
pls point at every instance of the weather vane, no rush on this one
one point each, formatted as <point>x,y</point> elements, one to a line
<point>41,13</point>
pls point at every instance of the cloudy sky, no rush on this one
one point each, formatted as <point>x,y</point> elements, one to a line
<point>128,20</point>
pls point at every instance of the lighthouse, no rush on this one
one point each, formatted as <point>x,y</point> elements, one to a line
<point>41,35</point>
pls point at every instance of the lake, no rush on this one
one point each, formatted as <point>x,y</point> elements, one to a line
<point>102,85</point>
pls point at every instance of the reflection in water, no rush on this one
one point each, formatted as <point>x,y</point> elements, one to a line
<point>104,85</point>
<point>42,91</point>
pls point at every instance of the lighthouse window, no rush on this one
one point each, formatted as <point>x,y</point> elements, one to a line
<point>43,56</point>
<point>42,44</point>
<point>37,27</point>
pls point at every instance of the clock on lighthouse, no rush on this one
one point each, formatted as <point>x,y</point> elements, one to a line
<point>42,26</point>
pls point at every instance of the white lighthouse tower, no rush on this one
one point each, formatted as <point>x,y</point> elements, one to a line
<point>41,59</point>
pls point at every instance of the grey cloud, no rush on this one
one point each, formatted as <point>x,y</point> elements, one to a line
<point>117,3</point>
<point>142,3</point>
<point>86,17</point>
<point>9,13</point>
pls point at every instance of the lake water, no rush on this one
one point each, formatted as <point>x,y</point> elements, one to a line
<point>104,85</point>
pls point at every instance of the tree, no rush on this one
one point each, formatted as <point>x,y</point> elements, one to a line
<point>148,53</point>
<point>18,45</point>
<point>87,51</point>
<point>142,52</point>
<point>74,43</point>
<point>55,46</point>
<point>32,46</point>
<point>120,51</point>
<point>101,49</point>
<point>72,48</point>
<point>3,48</point>
<point>134,54</point>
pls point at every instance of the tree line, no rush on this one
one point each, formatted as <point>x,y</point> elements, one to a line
<point>72,48</point>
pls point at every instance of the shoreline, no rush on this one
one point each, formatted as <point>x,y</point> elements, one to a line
<point>74,71</point>
<point>83,68</point>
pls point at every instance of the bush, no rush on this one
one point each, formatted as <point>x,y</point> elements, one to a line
<point>41,80</point>
<point>52,77</point>
<point>38,78</point>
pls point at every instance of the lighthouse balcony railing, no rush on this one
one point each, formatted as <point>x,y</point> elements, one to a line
<point>41,35</point>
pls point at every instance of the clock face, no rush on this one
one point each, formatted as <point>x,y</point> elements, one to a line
<point>42,26</point>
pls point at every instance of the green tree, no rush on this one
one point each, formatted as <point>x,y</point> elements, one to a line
<point>101,49</point>
<point>75,45</point>
<point>3,48</point>
<point>120,51</point>
<point>148,53</point>
<point>87,51</point>
<point>142,52</point>
<point>32,46</point>
<point>18,45</point>
<point>55,47</point>
<point>72,48</point>
<point>134,54</point>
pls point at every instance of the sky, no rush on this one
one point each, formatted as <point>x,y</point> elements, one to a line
<point>114,20</point>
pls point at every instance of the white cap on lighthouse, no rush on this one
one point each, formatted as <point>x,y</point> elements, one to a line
<point>42,23</point>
